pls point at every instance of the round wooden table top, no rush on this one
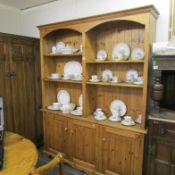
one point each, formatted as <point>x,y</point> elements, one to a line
<point>20,155</point>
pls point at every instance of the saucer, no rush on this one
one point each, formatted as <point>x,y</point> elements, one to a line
<point>93,80</point>
<point>138,82</point>
<point>77,112</point>
<point>111,118</point>
<point>127,81</point>
<point>53,108</point>
<point>52,78</point>
<point>115,81</point>
<point>66,78</point>
<point>76,79</point>
<point>101,118</point>
<point>123,122</point>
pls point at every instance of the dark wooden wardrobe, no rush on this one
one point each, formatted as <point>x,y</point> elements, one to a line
<point>20,85</point>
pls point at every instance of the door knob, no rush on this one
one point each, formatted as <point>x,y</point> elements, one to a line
<point>103,139</point>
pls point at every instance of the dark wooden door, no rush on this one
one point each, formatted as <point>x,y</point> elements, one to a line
<point>5,83</point>
<point>23,80</point>
<point>161,157</point>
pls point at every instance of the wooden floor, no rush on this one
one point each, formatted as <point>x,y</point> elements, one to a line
<point>43,159</point>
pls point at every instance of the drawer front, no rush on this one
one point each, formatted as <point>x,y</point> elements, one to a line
<point>158,128</point>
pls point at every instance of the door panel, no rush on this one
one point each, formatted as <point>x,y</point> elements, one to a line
<point>55,133</point>
<point>83,142</point>
<point>119,153</point>
<point>5,87</point>
<point>22,65</point>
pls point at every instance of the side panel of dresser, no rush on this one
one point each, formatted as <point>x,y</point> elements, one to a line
<point>161,157</point>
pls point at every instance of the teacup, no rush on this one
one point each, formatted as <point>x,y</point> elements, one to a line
<point>128,119</point>
<point>100,114</point>
<point>98,110</point>
<point>79,108</point>
<point>94,77</point>
<point>56,105</point>
<point>114,79</point>
<point>55,75</point>
<point>140,79</point>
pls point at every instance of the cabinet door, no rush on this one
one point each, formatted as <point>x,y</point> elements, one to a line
<point>161,148</point>
<point>55,133</point>
<point>5,87</point>
<point>83,144</point>
<point>122,152</point>
<point>22,65</point>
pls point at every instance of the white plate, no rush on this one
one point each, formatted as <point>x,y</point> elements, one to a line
<point>116,104</point>
<point>123,122</point>
<point>52,108</point>
<point>137,54</point>
<point>113,119</point>
<point>131,74</point>
<point>63,97</point>
<point>101,55</point>
<point>80,100</point>
<point>77,112</point>
<point>72,68</point>
<point>100,118</point>
<point>107,74</point>
<point>120,49</point>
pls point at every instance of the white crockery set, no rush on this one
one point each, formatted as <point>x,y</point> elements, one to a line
<point>121,51</point>
<point>72,71</point>
<point>64,104</point>
<point>118,109</point>
<point>107,76</point>
<point>62,48</point>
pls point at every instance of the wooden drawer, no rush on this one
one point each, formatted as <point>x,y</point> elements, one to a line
<point>163,129</point>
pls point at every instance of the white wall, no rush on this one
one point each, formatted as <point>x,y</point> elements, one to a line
<point>10,20</point>
<point>25,22</point>
<point>71,9</point>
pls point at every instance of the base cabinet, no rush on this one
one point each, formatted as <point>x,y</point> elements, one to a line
<point>94,148</point>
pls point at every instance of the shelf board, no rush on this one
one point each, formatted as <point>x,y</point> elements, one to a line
<point>90,118</point>
<point>63,55</point>
<point>117,84</point>
<point>63,81</point>
<point>116,62</point>
<point>135,128</point>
